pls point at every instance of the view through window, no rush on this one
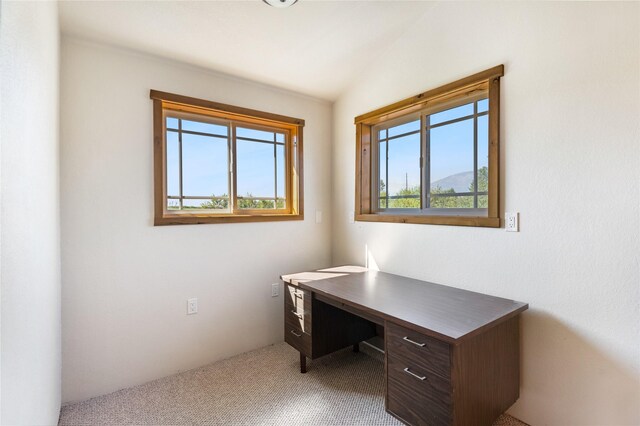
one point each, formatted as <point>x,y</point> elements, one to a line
<point>225,164</point>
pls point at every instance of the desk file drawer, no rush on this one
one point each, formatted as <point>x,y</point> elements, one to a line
<point>425,352</point>
<point>297,297</point>
<point>417,396</point>
<point>295,311</point>
<point>297,338</point>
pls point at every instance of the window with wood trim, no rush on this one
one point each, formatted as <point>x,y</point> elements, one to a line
<point>217,163</point>
<point>433,158</point>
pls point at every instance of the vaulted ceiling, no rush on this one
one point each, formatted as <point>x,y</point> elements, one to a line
<point>314,47</point>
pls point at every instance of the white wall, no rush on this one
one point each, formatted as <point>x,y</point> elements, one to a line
<point>126,282</point>
<point>30,221</point>
<point>570,166</point>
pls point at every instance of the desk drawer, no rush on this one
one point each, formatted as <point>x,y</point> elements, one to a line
<point>297,338</point>
<point>298,318</point>
<point>422,351</point>
<point>417,396</point>
<point>298,298</point>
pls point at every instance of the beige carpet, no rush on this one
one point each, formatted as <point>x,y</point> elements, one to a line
<point>263,387</point>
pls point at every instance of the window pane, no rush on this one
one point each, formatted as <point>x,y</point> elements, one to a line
<point>404,172</point>
<point>243,132</point>
<point>281,167</point>
<point>382,134</point>
<point>172,123</point>
<point>197,126</point>
<point>214,203</point>
<point>173,164</point>
<point>483,105</point>
<point>204,166</point>
<point>173,204</point>
<point>280,137</point>
<point>483,201</point>
<point>455,202</point>
<point>452,158</point>
<point>256,177</point>
<point>382,187</point>
<point>412,126</point>
<point>483,153</point>
<point>452,114</point>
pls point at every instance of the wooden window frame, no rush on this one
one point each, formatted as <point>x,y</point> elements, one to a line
<point>182,105</point>
<point>487,82</point>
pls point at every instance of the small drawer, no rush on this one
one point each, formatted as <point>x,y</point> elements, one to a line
<point>417,396</point>
<point>300,340</point>
<point>298,318</point>
<point>298,298</point>
<point>423,351</point>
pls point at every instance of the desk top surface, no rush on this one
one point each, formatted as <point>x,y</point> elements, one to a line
<point>449,313</point>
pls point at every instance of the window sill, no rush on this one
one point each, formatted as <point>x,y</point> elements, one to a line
<point>488,222</point>
<point>193,219</point>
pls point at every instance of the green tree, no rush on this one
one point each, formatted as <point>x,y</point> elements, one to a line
<point>408,198</point>
<point>216,203</point>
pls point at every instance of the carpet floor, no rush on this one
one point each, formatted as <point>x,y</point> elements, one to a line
<point>262,387</point>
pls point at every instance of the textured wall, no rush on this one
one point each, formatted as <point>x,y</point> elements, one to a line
<point>570,165</point>
<point>126,282</point>
<point>30,220</point>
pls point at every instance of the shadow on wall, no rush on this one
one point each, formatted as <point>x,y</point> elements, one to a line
<point>565,379</point>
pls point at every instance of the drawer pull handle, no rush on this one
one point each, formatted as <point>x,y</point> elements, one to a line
<point>406,370</point>
<point>298,294</point>
<point>297,314</point>
<point>296,334</point>
<point>413,341</point>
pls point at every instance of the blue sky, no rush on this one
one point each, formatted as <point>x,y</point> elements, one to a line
<point>205,163</point>
<point>451,148</point>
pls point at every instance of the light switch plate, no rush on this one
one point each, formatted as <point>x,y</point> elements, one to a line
<point>275,289</point>
<point>318,216</point>
<point>351,217</point>
<point>512,221</point>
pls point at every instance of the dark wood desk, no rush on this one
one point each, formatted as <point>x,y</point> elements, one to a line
<point>451,355</point>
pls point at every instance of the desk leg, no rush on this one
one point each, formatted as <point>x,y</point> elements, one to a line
<point>303,363</point>
<point>356,347</point>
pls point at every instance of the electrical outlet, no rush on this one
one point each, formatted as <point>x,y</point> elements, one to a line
<point>192,306</point>
<point>275,289</point>
<point>351,217</point>
<point>511,221</point>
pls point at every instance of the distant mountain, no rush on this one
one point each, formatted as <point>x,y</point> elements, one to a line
<point>459,182</point>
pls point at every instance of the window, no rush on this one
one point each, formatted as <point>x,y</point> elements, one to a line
<point>220,163</point>
<point>432,158</point>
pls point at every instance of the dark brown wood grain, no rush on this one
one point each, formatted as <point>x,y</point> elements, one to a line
<point>486,373</point>
<point>334,329</point>
<point>415,401</point>
<point>447,313</point>
<point>433,357</point>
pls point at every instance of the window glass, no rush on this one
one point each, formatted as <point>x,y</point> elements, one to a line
<point>201,127</point>
<point>412,126</point>
<point>382,168</point>
<point>403,169</point>
<point>242,132</point>
<point>204,166</point>
<point>173,164</point>
<point>451,114</point>
<point>256,175</point>
<point>483,154</point>
<point>172,123</point>
<point>281,167</point>
<point>483,105</point>
<point>451,159</point>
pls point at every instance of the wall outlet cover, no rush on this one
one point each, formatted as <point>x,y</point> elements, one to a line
<point>192,306</point>
<point>512,221</point>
